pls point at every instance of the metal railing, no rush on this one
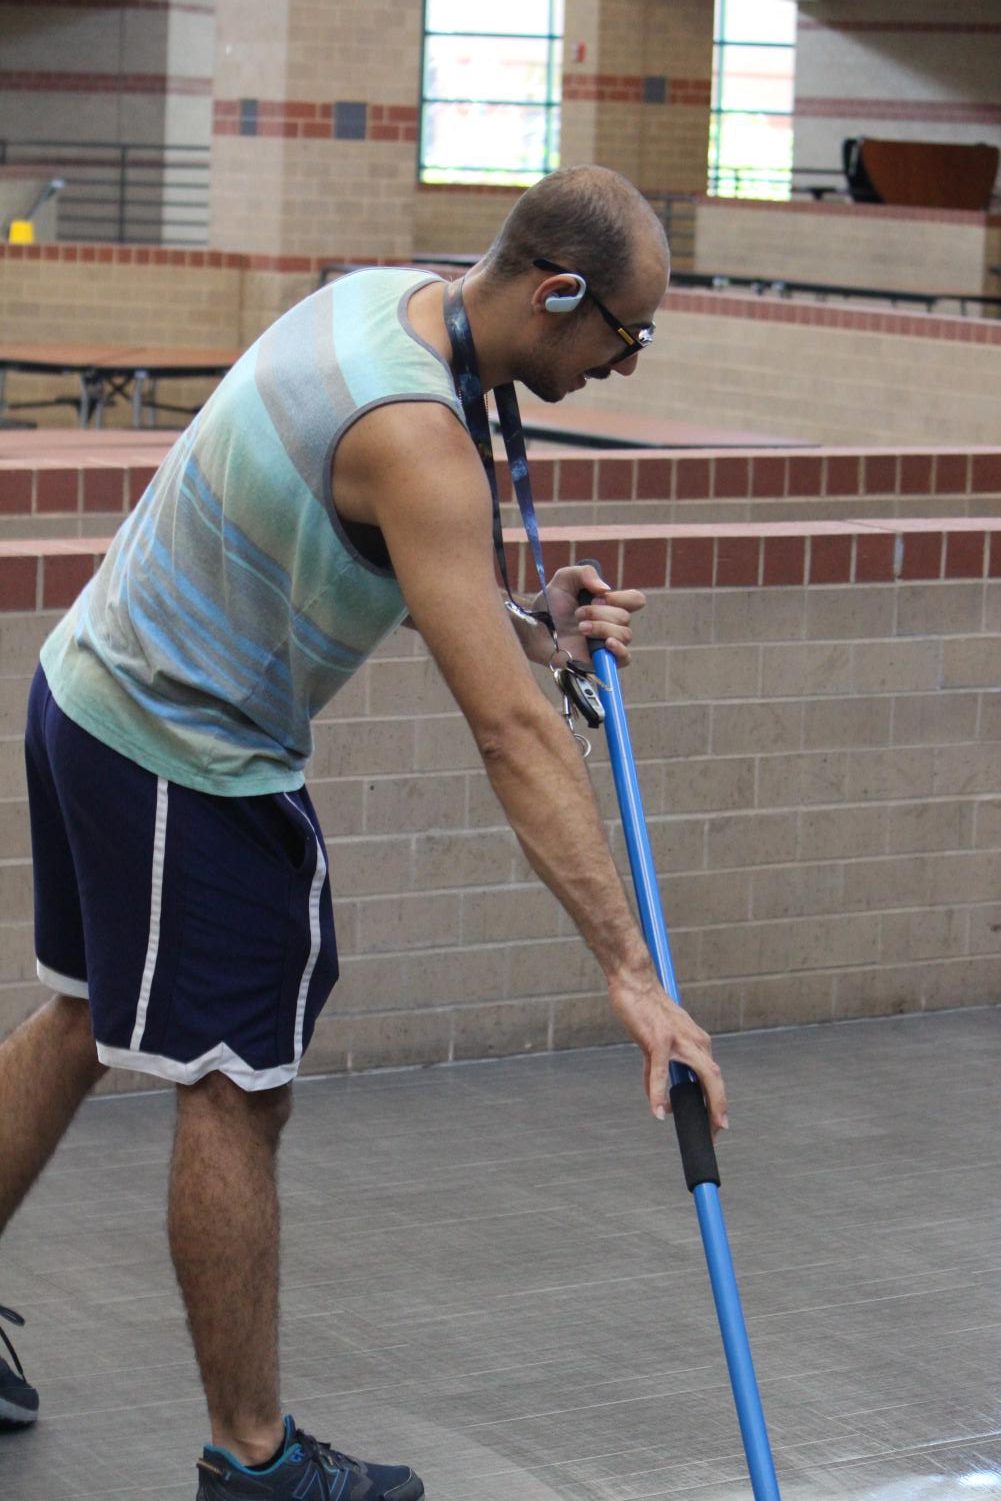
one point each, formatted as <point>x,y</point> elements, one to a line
<point>776,183</point>
<point>123,192</point>
<point>966,302</point>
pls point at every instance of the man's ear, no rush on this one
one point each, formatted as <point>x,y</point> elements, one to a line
<point>565,302</point>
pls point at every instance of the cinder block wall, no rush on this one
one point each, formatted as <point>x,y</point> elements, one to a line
<point>816,717</point>
<point>915,71</point>
<point>848,244</point>
<point>823,372</point>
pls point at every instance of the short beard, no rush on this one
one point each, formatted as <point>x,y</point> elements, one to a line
<point>535,372</point>
<point>542,385</point>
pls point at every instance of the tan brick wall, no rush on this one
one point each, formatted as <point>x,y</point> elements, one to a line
<point>300,190</point>
<point>63,64</point>
<point>133,75</point>
<point>919,71</point>
<point>458,221</point>
<point>99,299</point>
<point>819,765</point>
<point>835,375</point>
<point>857,245</point>
<point>811,379</point>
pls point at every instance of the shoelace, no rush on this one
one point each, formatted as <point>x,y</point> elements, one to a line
<point>12,1318</point>
<point>324,1457</point>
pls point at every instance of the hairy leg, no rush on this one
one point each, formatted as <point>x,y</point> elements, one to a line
<point>223,1224</point>
<point>47,1066</point>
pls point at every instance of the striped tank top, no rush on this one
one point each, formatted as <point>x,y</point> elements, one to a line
<point>232,605</point>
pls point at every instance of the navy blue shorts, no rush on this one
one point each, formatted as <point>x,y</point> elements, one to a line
<point>199,928</point>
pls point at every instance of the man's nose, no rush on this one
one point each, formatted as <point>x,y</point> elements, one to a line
<point>626,367</point>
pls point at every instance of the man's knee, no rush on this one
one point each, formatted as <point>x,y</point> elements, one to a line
<point>67,1018</point>
<point>264,1110</point>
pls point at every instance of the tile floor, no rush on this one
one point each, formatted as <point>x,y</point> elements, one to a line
<point>494,1272</point>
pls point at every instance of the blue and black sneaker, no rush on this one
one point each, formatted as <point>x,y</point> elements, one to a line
<point>18,1399</point>
<point>306,1470</point>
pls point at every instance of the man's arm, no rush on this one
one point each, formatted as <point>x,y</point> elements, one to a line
<point>412,471</point>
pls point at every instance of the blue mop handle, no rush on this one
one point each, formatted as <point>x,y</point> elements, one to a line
<point>688,1105</point>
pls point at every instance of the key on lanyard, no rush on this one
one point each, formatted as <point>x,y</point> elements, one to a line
<point>579,698</point>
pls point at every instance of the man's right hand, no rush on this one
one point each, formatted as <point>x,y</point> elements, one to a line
<point>665,1034</point>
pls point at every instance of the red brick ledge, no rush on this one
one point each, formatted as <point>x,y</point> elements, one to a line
<point>857,211</point>
<point>772,554</point>
<point>73,483</point>
<point>848,316</point>
<point>720,304</point>
<point>938,112</point>
<point>628,88</point>
<point>65,81</point>
<point>961,28</point>
<point>48,575</point>
<point>303,119</point>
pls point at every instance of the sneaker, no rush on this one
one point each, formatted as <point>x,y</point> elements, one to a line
<point>18,1400</point>
<point>306,1470</point>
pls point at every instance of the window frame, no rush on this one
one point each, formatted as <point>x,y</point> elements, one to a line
<point>475,176</point>
<point>777,185</point>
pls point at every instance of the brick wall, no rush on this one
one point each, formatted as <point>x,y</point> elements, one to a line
<point>823,372</point>
<point>315,127</point>
<point>450,219</point>
<point>132,72</point>
<point>815,713</point>
<point>849,244</point>
<point>920,71</point>
<point>84,486</point>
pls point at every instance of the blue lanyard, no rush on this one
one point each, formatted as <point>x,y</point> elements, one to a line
<point>475,407</point>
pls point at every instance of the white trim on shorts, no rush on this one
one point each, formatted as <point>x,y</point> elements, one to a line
<point>64,984</point>
<point>220,1059</point>
<point>315,891</point>
<point>155,911</point>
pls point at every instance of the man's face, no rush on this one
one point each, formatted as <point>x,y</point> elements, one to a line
<point>574,348</point>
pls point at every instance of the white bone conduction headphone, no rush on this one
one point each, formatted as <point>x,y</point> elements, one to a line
<point>565,302</point>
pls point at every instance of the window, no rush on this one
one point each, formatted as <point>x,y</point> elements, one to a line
<point>750,131</point>
<point>490,97</point>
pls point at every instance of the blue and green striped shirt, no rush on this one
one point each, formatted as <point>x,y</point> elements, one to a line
<point>232,606</point>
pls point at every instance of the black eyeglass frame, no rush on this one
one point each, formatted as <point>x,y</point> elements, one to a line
<point>634,342</point>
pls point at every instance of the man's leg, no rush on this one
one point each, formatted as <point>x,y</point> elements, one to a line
<point>223,1224</point>
<point>47,1066</point>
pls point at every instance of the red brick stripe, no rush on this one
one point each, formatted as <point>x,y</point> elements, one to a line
<point>85,476</point>
<point>627,88</point>
<point>959,28</point>
<point>775,555</point>
<point>66,82</point>
<point>825,315</point>
<point>303,120</point>
<point>951,111</point>
<point>187,7</point>
<point>715,304</point>
<point>854,210</point>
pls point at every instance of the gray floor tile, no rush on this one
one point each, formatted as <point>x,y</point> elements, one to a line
<point>495,1272</point>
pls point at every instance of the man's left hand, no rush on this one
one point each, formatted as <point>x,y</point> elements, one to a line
<point>606,621</point>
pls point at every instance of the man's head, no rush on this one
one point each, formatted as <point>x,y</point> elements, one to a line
<point>593,258</point>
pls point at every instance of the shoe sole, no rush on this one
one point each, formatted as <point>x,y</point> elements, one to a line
<point>23,1417</point>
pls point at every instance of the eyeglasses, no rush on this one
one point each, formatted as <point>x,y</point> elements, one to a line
<point>634,340</point>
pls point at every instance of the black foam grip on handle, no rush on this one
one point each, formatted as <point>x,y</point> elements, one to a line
<point>691,1121</point>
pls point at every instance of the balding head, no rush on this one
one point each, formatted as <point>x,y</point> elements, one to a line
<point>590,220</point>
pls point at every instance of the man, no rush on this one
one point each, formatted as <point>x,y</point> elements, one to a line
<point>327,492</point>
